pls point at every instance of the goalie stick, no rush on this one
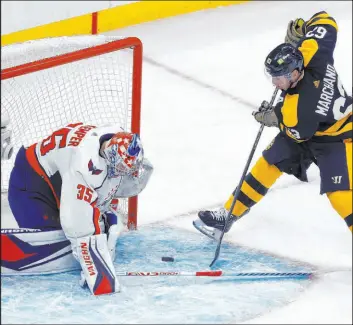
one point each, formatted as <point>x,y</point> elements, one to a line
<point>255,276</point>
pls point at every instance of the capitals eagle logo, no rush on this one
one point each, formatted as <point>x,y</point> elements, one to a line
<point>93,169</point>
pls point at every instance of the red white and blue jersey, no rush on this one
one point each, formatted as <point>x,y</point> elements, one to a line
<point>70,162</point>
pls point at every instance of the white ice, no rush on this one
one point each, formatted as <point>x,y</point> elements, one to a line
<point>199,138</point>
<point>202,77</point>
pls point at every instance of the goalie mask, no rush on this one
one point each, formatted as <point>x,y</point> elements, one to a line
<point>124,154</point>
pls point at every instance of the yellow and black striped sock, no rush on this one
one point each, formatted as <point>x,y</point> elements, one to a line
<point>255,186</point>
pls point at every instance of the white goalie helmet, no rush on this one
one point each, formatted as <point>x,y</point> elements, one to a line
<point>124,154</point>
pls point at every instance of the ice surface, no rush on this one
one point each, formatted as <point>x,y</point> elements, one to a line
<point>157,300</point>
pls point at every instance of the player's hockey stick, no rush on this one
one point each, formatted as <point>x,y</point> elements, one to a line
<point>238,276</point>
<point>241,182</point>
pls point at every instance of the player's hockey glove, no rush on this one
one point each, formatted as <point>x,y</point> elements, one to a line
<point>266,115</point>
<point>295,31</point>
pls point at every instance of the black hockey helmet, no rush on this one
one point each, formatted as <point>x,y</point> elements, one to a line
<point>283,60</point>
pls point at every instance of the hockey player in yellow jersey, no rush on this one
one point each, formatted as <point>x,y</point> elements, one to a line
<point>314,116</point>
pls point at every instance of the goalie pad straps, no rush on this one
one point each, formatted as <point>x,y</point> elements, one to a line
<point>97,265</point>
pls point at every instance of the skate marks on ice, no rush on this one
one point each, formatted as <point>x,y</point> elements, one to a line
<point>156,300</point>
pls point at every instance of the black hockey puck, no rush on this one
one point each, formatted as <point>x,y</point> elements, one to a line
<point>167,259</point>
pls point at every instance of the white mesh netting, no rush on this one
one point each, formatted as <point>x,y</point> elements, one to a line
<point>97,90</point>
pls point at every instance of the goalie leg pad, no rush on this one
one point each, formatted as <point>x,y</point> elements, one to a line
<point>34,251</point>
<point>97,265</point>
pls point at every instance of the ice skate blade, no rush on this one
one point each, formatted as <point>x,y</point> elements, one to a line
<point>209,232</point>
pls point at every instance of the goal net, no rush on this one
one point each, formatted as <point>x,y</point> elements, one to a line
<point>49,83</point>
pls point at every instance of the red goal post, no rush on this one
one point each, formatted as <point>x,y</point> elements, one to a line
<point>96,79</point>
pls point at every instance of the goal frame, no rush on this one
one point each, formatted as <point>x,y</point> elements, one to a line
<point>133,43</point>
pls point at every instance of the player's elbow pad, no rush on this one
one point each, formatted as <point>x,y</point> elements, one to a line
<point>97,266</point>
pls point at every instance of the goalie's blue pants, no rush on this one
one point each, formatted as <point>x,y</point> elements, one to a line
<point>31,200</point>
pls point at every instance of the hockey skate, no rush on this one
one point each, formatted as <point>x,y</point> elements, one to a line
<point>211,223</point>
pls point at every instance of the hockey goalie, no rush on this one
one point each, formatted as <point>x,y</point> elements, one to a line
<point>63,193</point>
